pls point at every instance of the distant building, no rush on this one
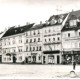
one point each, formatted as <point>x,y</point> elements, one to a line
<point>71,38</point>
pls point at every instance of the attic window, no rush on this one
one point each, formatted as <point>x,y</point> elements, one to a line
<point>73,23</point>
<point>15,31</point>
<point>21,29</point>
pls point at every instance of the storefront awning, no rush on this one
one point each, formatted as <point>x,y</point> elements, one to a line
<point>51,52</point>
<point>8,54</point>
<point>71,52</point>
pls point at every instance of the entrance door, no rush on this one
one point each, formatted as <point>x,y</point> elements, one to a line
<point>26,60</point>
<point>0,58</point>
<point>14,59</point>
<point>34,59</point>
<point>43,59</point>
<point>58,59</point>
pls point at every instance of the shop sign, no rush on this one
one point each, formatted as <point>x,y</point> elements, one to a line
<point>34,54</point>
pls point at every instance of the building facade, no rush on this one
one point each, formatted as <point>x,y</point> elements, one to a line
<point>13,44</point>
<point>33,44</point>
<point>71,38</point>
<point>52,42</point>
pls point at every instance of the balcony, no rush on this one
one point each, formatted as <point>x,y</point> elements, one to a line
<point>49,43</point>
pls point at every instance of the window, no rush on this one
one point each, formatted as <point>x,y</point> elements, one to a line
<point>45,31</point>
<point>26,48</point>
<point>37,49</point>
<point>33,48</point>
<point>49,39</point>
<point>34,33</point>
<point>30,48</point>
<point>45,40</point>
<point>79,33</point>
<point>27,41</point>
<point>73,22</point>
<point>68,34</point>
<point>49,30</point>
<point>38,32</point>
<point>79,44</point>
<point>34,40</point>
<point>58,38</point>
<point>38,39</point>
<point>40,48</point>
<point>30,40</point>
<point>53,39</point>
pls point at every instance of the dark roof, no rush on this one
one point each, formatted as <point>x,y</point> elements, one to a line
<point>72,16</point>
<point>58,16</point>
<point>17,30</point>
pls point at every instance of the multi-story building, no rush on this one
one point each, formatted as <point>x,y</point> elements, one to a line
<point>71,38</point>
<point>33,44</point>
<point>52,39</point>
<point>13,44</point>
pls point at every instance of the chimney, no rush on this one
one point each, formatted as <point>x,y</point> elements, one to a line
<point>27,23</point>
<point>46,22</point>
<point>18,25</point>
<point>40,22</point>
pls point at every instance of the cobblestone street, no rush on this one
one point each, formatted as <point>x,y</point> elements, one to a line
<point>37,71</point>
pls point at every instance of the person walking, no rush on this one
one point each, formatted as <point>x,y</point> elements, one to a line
<point>74,64</point>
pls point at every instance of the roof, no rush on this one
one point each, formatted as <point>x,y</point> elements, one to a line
<point>56,17</point>
<point>74,15</point>
<point>17,30</point>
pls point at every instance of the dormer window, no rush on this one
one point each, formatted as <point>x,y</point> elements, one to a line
<point>73,23</point>
<point>15,31</point>
<point>21,29</point>
<point>60,20</point>
<point>53,21</point>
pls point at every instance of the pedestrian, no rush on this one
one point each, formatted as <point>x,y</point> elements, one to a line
<point>74,64</point>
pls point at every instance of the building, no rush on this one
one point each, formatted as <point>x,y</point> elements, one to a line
<point>13,44</point>
<point>33,44</point>
<point>71,38</point>
<point>52,41</point>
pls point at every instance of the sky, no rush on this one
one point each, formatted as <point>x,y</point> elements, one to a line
<point>19,12</point>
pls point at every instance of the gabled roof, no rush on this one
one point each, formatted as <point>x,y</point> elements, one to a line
<point>74,15</point>
<point>17,30</point>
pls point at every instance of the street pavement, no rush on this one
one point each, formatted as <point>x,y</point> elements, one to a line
<point>38,71</point>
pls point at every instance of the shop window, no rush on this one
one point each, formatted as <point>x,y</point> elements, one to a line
<point>5,59</point>
<point>20,58</point>
<point>39,57</point>
<point>27,41</point>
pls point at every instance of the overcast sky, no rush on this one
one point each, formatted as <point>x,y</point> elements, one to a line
<point>18,12</point>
